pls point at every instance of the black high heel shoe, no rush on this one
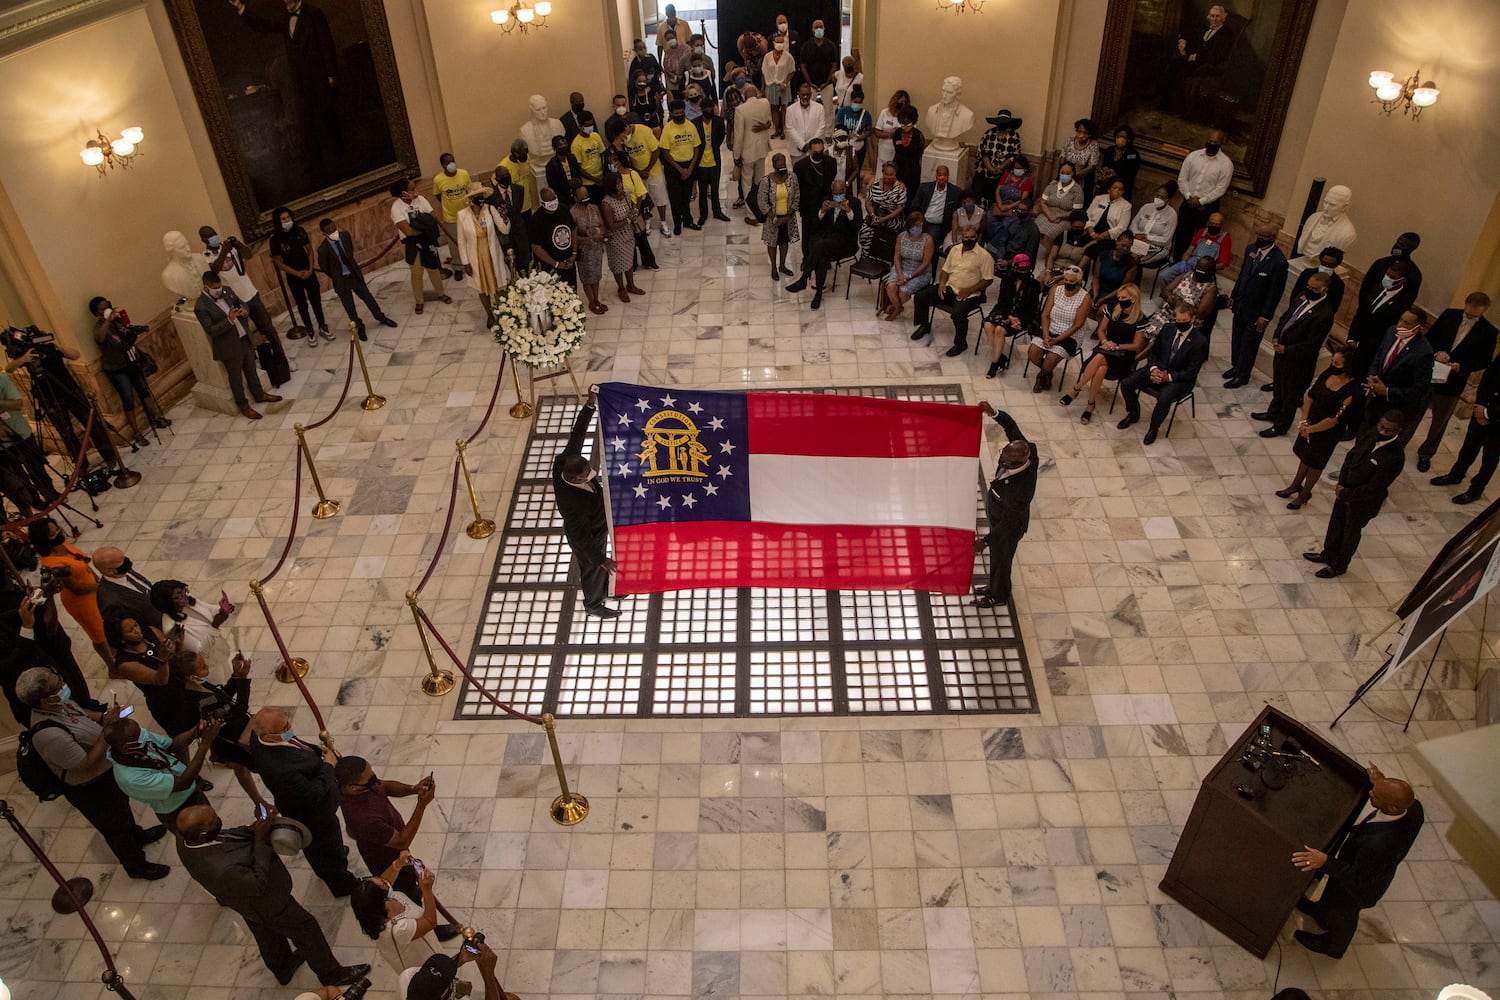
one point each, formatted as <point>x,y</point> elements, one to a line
<point>1302,498</point>
<point>994,369</point>
<point>1288,493</point>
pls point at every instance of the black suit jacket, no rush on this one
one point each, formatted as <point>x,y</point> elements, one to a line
<point>925,191</point>
<point>711,131</point>
<point>1304,337</point>
<point>1371,284</point>
<point>571,125</point>
<point>1366,861</point>
<point>582,510</point>
<point>1408,380</point>
<point>1371,322</point>
<point>1488,394</point>
<point>222,331</point>
<point>1257,290</point>
<point>1007,503</point>
<point>1182,365</point>
<point>837,223</point>
<point>311,54</point>
<point>1368,472</point>
<point>241,873</point>
<point>299,779</point>
<point>328,261</point>
<point>113,596</point>
<point>1473,354</point>
<point>1335,287</point>
<point>814,182</point>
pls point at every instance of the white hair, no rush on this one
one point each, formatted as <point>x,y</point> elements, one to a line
<point>34,686</point>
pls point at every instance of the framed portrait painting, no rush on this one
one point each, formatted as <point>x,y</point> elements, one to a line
<point>1175,69</point>
<point>302,101</point>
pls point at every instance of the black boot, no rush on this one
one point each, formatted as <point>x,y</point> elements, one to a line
<point>817,297</point>
<point>799,284</point>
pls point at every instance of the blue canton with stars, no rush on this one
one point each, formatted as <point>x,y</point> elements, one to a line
<point>674,455</point>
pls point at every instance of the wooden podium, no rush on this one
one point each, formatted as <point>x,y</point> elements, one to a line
<point>1233,863</point>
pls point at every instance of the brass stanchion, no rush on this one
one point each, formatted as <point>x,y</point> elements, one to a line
<point>522,408</point>
<point>283,671</point>
<point>325,508</point>
<point>569,808</point>
<point>437,682</point>
<point>372,400</point>
<point>480,527</point>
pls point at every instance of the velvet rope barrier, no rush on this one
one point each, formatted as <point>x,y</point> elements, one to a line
<point>72,481</point>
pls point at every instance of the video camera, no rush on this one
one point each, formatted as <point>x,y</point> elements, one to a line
<point>219,704</point>
<point>19,340</point>
<point>49,575</point>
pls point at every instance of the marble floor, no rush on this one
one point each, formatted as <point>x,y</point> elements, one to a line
<point>1161,593</point>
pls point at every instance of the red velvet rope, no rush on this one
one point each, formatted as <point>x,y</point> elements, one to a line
<point>534,720</point>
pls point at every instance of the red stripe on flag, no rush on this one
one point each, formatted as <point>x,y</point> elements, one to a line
<point>790,423</point>
<point>660,557</point>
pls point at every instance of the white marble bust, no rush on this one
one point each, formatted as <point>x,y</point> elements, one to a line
<point>949,118</point>
<point>538,131</point>
<point>183,274</point>
<point>1329,227</point>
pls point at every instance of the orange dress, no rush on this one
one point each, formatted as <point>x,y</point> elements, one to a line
<point>83,607</point>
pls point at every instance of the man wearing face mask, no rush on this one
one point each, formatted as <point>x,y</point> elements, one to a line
<point>1014,233</point>
<point>967,271</point>
<point>793,38</point>
<point>300,778</point>
<point>552,237</point>
<point>833,235</point>
<point>224,319</point>
<point>588,148</point>
<point>1365,479</point>
<point>682,146</point>
<point>620,108</point>
<point>380,833</point>
<point>1464,342</point>
<point>711,132</point>
<point>818,59</point>
<point>121,589</point>
<point>518,167</point>
<point>70,740</point>
<point>1174,361</point>
<point>243,872</point>
<point>669,27</point>
<point>1007,509</point>
<point>1295,344</point>
<point>1203,179</point>
<point>151,768</point>
<point>1252,303</point>
<point>450,187</point>
<point>580,501</point>
<point>1379,307</point>
<point>507,199</point>
<point>804,122</point>
<point>226,255</point>
<point>815,173</point>
<point>1481,440</point>
<point>1406,244</point>
<point>1210,241</point>
<point>1400,378</point>
<point>572,118</point>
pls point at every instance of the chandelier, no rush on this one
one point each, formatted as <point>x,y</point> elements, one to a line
<point>1409,95</point>
<point>961,6</point>
<point>103,154</point>
<point>522,14</point>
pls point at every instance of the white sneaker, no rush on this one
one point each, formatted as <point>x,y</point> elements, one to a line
<point>666,230</point>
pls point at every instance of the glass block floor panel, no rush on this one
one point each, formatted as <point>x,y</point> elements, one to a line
<point>721,653</point>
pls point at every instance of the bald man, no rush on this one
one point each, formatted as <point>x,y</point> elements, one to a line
<point>121,589</point>
<point>300,777</point>
<point>154,769</point>
<point>241,870</point>
<point>1007,508</point>
<point>1363,866</point>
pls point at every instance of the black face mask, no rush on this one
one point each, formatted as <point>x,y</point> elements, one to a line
<point>678,116</point>
<point>503,185</point>
<point>1184,327</point>
<point>124,566</point>
<point>970,244</point>
<point>1211,148</point>
<point>520,157</point>
<point>1202,276</point>
<point>1213,230</point>
<point>1264,241</point>
<point>577,108</point>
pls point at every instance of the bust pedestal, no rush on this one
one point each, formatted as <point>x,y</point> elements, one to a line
<point>211,382</point>
<point>960,163</point>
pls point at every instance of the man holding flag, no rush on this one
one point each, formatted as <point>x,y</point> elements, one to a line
<point>1007,507</point>
<point>581,504</point>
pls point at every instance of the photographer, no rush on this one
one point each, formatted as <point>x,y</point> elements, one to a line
<point>30,633</point>
<point>226,257</point>
<point>438,977</point>
<point>25,478</point>
<point>79,583</point>
<point>53,387</point>
<point>118,358</point>
<point>398,909</point>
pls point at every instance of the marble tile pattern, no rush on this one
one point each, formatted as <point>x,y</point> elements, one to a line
<point>1161,594</point>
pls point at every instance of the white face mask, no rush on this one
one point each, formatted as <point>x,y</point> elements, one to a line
<point>781,46</point>
<point>109,312</point>
<point>622,112</point>
<point>1159,202</point>
<point>550,204</point>
<point>450,169</point>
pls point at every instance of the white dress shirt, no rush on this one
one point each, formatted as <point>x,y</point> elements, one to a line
<point>1205,177</point>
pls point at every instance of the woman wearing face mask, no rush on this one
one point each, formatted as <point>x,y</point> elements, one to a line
<point>588,231</point>
<point>911,270</point>
<point>968,215</point>
<point>1070,248</point>
<point>884,209</point>
<point>1122,337</point>
<point>291,254</point>
<point>480,247</point>
<point>79,586</point>
<point>777,69</point>
<point>887,125</point>
<point>1108,215</point>
<point>854,119</point>
<point>563,171</point>
<point>620,222</point>
<point>645,70</point>
<point>1083,153</point>
<point>407,931</point>
<point>1153,227</point>
<point>1324,410</point>
<point>1015,186</point>
<point>845,79</point>
<point>1064,311</point>
<point>1113,268</point>
<point>909,143</point>
<point>1017,300</point>
<point>176,706</point>
<point>143,656</point>
<point>1121,160</point>
<point>779,197</point>
<point>1198,290</point>
<point>645,101</point>
<point>1060,200</point>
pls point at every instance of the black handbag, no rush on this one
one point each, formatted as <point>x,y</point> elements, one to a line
<point>144,362</point>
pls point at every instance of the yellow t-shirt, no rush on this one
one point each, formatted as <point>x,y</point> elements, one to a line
<point>782,207</point>
<point>454,193</point>
<point>707,159</point>
<point>639,147</point>
<point>589,152</point>
<point>634,187</point>
<point>680,140</point>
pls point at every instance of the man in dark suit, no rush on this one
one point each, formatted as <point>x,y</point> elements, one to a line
<point>1364,865</point>
<point>223,318</point>
<point>815,173</point>
<point>300,778</point>
<point>1013,233</point>
<point>1328,264</point>
<point>1176,357</point>
<point>1253,301</point>
<point>1380,305</point>
<point>336,259</point>
<point>122,589</point>
<point>241,870</point>
<point>937,200</point>
<point>1406,244</point>
<point>1483,435</point>
<point>1007,508</point>
<point>1294,353</point>
<point>313,60</point>
<point>1365,478</point>
<point>834,236</point>
<point>1400,377</point>
<point>580,501</point>
<point>1463,340</point>
<point>711,129</point>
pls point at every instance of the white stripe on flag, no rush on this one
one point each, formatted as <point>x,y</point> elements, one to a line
<point>801,489</point>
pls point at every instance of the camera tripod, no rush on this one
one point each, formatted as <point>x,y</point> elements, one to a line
<point>58,404</point>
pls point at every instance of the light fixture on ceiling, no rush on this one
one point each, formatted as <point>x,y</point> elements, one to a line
<point>961,6</point>
<point>1410,95</point>
<point>523,15</point>
<point>103,154</point>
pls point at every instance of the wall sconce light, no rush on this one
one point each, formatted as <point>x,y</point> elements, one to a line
<point>961,6</point>
<point>102,154</point>
<point>522,14</point>
<point>1409,95</point>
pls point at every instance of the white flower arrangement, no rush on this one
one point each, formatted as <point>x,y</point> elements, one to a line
<point>539,320</point>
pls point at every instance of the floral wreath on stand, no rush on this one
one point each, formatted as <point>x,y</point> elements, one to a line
<point>539,320</point>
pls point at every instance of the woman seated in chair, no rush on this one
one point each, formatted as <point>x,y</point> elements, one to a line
<point>1114,268</point>
<point>1064,312</point>
<point>911,270</point>
<point>1072,244</point>
<point>1017,298</point>
<point>1197,289</point>
<point>1122,336</point>
<point>884,208</point>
